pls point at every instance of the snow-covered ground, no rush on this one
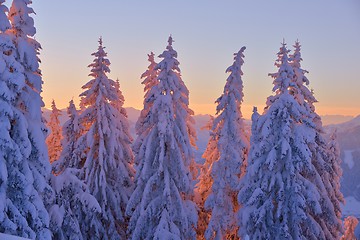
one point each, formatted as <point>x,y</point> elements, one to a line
<point>351,207</point>
<point>348,158</point>
<point>10,237</point>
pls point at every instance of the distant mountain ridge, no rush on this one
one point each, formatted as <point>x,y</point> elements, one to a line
<point>348,133</point>
<point>133,114</point>
<point>335,119</point>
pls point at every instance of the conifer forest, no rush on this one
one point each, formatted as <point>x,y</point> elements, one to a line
<point>277,176</point>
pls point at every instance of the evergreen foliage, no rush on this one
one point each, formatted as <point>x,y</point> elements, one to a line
<point>53,141</point>
<point>284,184</point>
<point>283,192</point>
<point>71,132</point>
<point>326,156</point>
<point>106,157</point>
<point>76,213</point>
<point>142,125</point>
<point>350,225</point>
<point>161,206</point>
<point>226,157</point>
<point>25,167</point>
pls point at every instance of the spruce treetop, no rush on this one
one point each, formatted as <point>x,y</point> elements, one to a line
<point>254,118</point>
<point>150,75</point>
<point>169,62</point>
<point>54,139</point>
<point>234,85</point>
<point>255,115</point>
<point>302,93</point>
<point>71,110</point>
<point>100,84</point>
<point>238,62</point>
<point>119,92</point>
<point>283,78</point>
<point>296,56</point>
<point>171,84</point>
<point>100,64</point>
<point>54,109</point>
<point>151,57</point>
<point>71,131</point>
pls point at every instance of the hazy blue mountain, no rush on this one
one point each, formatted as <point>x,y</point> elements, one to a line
<point>348,137</point>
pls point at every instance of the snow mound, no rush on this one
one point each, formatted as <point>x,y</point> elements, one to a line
<point>10,237</point>
<point>348,158</point>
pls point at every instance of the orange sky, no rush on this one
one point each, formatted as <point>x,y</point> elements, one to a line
<point>206,35</point>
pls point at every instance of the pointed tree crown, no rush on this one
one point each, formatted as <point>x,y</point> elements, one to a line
<point>71,110</point>
<point>54,139</point>
<point>302,92</point>
<point>100,64</point>
<point>100,84</point>
<point>55,111</point>
<point>150,75</point>
<point>234,85</point>
<point>71,132</point>
<point>169,62</point>
<point>106,145</point>
<point>161,206</point>
<point>283,78</point>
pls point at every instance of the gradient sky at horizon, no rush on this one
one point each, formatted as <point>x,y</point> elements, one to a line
<point>206,34</point>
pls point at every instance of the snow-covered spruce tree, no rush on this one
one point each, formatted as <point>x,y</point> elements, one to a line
<point>71,131</point>
<point>53,141</point>
<point>26,188</point>
<point>203,187</point>
<point>333,173</point>
<point>282,190</point>
<point>30,102</point>
<point>119,104</point>
<point>18,212</point>
<point>123,136</point>
<point>226,157</point>
<point>19,201</point>
<point>255,134</point>
<point>142,124</point>
<point>302,93</point>
<point>325,157</point>
<point>150,80</point>
<point>106,164</point>
<point>161,205</point>
<point>76,213</point>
